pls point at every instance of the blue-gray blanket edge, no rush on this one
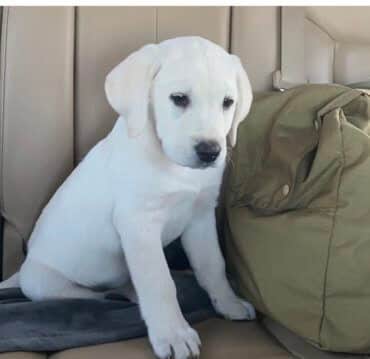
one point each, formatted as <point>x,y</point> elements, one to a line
<point>55,325</point>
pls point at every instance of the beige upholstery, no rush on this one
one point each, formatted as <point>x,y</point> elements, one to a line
<point>344,23</point>
<point>53,110</point>
<point>23,355</point>
<point>255,38</point>
<point>104,36</point>
<point>319,54</point>
<point>332,59</point>
<point>36,116</point>
<point>292,46</point>
<point>336,43</point>
<point>352,62</point>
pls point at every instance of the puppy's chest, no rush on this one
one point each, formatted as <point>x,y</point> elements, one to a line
<point>179,210</point>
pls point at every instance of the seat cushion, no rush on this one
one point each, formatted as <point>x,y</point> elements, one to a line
<point>221,339</point>
<point>23,355</point>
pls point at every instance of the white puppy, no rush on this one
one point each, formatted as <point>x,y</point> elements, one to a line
<point>155,177</point>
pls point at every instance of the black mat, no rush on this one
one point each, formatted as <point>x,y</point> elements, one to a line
<point>55,325</point>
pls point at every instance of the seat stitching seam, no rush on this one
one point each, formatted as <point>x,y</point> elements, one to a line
<point>4,58</point>
<point>156,24</point>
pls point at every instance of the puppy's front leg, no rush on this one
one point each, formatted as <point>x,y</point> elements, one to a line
<point>201,245</point>
<point>167,329</point>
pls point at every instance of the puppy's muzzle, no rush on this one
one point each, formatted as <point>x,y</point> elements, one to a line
<point>207,151</point>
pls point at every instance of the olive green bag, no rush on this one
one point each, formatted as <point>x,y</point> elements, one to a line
<point>297,213</point>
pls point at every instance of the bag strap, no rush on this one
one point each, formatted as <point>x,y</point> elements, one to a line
<point>292,72</point>
<point>299,347</point>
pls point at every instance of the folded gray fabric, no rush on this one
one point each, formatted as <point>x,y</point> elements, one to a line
<point>54,325</point>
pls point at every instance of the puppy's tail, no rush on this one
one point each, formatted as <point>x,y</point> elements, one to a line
<point>11,282</point>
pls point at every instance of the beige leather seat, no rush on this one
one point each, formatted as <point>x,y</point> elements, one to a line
<point>53,62</point>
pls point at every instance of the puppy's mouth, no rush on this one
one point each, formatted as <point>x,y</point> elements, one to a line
<point>205,165</point>
<point>199,165</point>
<point>196,164</point>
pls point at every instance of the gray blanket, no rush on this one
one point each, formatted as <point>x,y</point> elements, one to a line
<point>55,325</point>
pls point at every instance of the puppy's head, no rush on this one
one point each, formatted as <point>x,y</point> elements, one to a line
<point>198,92</point>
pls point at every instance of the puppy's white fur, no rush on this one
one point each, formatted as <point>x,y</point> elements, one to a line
<point>143,186</point>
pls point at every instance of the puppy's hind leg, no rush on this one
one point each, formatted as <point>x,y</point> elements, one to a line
<point>39,282</point>
<point>11,282</point>
<point>127,291</point>
<point>130,293</point>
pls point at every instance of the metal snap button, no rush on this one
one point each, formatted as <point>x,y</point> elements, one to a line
<point>286,190</point>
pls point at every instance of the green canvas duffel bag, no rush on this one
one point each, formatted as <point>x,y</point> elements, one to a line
<point>297,213</point>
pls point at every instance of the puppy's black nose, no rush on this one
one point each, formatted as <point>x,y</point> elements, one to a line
<point>208,151</point>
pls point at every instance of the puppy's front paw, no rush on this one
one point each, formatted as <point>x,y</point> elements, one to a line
<point>232,307</point>
<point>180,342</point>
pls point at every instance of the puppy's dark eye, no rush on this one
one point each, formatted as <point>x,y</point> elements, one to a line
<point>180,99</point>
<point>228,101</point>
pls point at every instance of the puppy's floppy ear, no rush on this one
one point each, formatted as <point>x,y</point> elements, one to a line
<point>244,101</point>
<point>127,86</point>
